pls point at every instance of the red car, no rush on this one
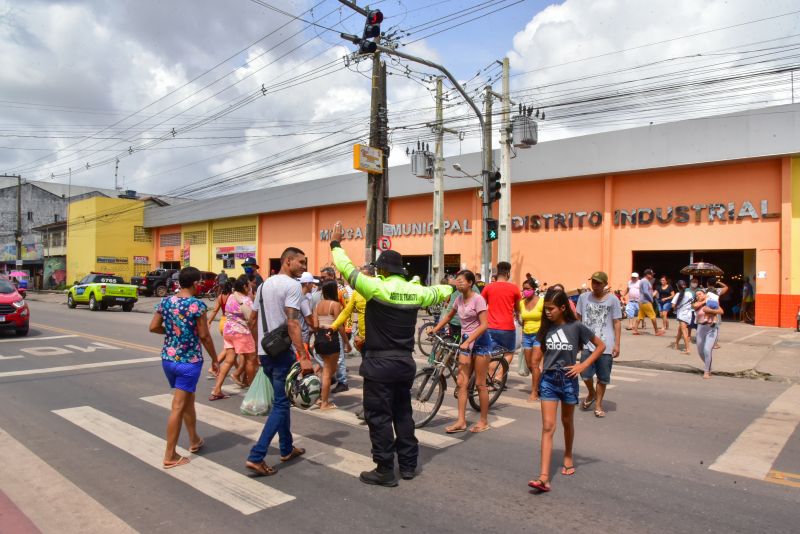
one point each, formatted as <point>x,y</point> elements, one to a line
<point>208,281</point>
<point>14,312</point>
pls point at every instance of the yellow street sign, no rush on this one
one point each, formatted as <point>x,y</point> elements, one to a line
<point>367,159</point>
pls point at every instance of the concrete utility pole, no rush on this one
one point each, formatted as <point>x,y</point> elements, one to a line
<point>504,217</point>
<point>437,269</point>
<point>383,115</point>
<point>488,166</point>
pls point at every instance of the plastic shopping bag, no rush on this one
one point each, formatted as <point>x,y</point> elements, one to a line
<point>258,400</point>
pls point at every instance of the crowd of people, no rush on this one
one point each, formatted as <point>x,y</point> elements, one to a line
<point>296,318</point>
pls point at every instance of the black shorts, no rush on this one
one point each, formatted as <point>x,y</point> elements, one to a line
<point>326,341</point>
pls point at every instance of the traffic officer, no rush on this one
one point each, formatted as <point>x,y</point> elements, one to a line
<point>387,365</point>
<point>250,266</point>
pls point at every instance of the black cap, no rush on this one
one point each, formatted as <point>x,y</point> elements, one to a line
<point>250,262</point>
<point>391,261</point>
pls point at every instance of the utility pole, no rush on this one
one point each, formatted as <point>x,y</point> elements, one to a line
<point>504,217</point>
<point>374,194</point>
<point>486,250</point>
<point>383,116</point>
<point>437,269</point>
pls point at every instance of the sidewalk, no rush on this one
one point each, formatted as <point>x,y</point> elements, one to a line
<point>143,305</point>
<point>746,351</point>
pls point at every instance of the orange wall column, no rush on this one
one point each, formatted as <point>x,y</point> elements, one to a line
<point>605,243</point>
<point>787,313</point>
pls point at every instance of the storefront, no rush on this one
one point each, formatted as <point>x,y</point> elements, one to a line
<point>656,197</point>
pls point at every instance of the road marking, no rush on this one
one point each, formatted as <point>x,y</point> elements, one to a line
<point>11,357</point>
<point>78,367</point>
<point>452,413</point>
<point>748,336</point>
<point>125,344</point>
<point>637,372</point>
<point>48,498</point>
<point>425,437</point>
<point>236,490</point>
<point>755,450</point>
<point>38,338</point>
<point>783,478</point>
<point>337,458</point>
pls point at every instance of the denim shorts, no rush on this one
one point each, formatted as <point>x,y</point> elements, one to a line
<point>666,306</point>
<point>529,341</point>
<point>506,339</point>
<point>557,386</point>
<point>182,375</point>
<point>482,345</point>
<point>601,367</point>
<point>632,309</point>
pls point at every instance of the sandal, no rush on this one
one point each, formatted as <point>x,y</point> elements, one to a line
<point>599,413</point>
<point>197,447</point>
<point>586,404</point>
<point>183,460</point>
<point>221,396</point>
<point>455,429</point>
<point>261,468</point>
<point>543,485</point>
<point>296,451</point>
<point>566,468</point>
<point>477,430</point>
<point>330,406</point>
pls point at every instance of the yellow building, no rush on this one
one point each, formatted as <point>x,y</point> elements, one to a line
<point>107,235</point>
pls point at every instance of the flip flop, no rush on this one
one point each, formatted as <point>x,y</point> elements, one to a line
<point>599,413</point>
<point>586,405</point>
<point>330,406</point>
<point>261,468</point>
<point>197,447</point>
<point>183,460</point>
<point>476,430</point>
<point>221,396</point>
<point>540,485</point>
<point>565,468</point>
<point>455,430</point>
<point>296,452</point>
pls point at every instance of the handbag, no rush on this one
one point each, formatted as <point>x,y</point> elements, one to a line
<point>275,342</point>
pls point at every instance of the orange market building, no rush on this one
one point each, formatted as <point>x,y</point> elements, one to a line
<point>722,189</point>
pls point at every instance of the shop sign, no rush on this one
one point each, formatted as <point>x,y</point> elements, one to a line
<point>141,260</point>
<point>169,255</point>
<point>187,254</point>
<point>111,259</point>
<point>454,226</point>
<point>680,214</point>
<point>240,252</point>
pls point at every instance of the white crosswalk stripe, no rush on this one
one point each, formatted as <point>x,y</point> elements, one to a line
<point>236,490</point>
<point>337,458</point>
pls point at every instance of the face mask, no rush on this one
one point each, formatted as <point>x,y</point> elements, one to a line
<point>527,293</point>
<point>248,270</point>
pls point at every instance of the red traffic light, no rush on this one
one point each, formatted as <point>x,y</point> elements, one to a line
<point>375,17</point>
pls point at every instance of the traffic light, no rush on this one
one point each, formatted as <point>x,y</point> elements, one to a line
<point>493,187</point>
<point>491,229</point>
<point>372,29</point>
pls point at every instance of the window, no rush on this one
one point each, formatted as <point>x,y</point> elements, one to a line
<point>143,235</point>
<point>170,240</point>
<point>238,234</point>
<point>30,215</point>
<point>57,239</point>
<point>195,238</point>
<point>55,217</point>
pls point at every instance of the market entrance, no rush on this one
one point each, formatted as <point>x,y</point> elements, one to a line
<point>734,263</point>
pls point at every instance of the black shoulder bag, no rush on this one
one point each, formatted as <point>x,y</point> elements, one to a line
<point>275,342</point>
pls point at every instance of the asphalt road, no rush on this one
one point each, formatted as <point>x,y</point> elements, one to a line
<point>83,414</point>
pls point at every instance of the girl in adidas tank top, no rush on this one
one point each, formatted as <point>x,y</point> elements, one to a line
<point>561,337</point>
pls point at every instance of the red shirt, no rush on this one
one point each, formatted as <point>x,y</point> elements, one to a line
<point>503,298</point>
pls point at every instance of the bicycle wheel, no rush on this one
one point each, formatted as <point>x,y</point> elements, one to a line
<point>427,394</point>
<point>496,378</point>
<point>424,342</point>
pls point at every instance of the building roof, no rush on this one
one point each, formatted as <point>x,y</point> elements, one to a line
<point>72,191</point>
<point>50,226</point>
<point>757,133</point>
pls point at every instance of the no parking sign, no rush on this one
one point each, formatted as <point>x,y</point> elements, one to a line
<point>384,243</point>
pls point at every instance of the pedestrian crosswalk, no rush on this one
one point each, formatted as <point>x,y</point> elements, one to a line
<point>233,486</point>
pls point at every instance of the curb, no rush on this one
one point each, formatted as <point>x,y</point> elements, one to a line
<point>135,310</point>
<point>752,374</point>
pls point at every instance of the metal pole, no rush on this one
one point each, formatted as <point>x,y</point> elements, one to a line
<point>19,218</point>
<point>486,249</point>
<point>504,217</point>
<point>438,191</point>
<point>383,115</point>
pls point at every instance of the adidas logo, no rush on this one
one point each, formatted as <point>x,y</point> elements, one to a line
<point>558,341</point>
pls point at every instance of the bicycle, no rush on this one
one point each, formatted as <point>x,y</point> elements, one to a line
<point>430,383</point>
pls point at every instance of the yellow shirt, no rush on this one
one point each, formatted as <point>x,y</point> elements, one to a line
<point>531,319</point>
<point>360,304</point>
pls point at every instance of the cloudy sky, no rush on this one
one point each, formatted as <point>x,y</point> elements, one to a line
<point>205,97</point>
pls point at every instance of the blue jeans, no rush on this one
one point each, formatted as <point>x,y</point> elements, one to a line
<point>341,371</point>
<point>278,421</point>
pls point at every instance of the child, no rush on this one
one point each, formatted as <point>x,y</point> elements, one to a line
<point>182,320</point>
<point>561,337</point>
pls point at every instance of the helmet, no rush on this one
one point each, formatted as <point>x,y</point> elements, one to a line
<point>303,391</point>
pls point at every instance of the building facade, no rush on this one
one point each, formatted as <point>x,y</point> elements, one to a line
<point>724,190</point>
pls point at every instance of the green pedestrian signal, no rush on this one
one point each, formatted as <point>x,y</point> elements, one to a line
<point>492,227</point>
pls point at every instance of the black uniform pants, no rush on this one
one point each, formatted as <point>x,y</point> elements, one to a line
<point>387,410</point>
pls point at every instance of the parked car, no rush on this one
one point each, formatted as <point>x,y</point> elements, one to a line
<point>206,288</point>
<point>154,283</point>
<point>101,290</point>
<point>14,312</point>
